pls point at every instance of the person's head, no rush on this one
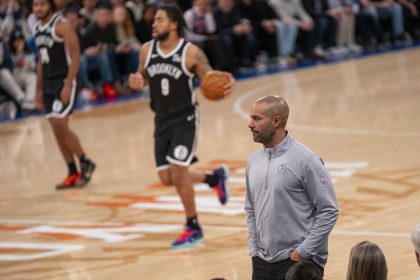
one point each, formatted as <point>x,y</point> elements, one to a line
<point>148,13</point>
<point>202,5</point>
<point>18,42</point>
<point>367,262</point>
<point>268,121</point>
<point>304,270</point>
<point>103,16</point>
<point>62,4</point>
<point>90,5</point>
<point>225,6</point>
<point>121,17</point>
<point>415,237</point>
<point>168,18</point>
<point>73,17</point>
<point>43,9</point>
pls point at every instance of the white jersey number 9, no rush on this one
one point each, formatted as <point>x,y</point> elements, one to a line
<point>164,84</point>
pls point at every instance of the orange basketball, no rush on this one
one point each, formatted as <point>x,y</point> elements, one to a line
<point>212,85</point>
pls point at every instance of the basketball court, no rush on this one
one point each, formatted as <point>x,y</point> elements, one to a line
<point>362,117</point>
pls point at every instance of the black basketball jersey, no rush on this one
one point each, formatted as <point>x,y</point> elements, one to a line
<point>170,80</point>
<point>52,53</point>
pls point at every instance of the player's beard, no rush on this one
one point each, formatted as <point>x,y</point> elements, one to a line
<point>163,36</point>
<point>264,136</point>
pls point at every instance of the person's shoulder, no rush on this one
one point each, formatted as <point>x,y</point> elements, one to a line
<point>62,26</point>
<point>146,46</point>
<point>256,155</point>
<point>301,151</point>
<point>193,50</point>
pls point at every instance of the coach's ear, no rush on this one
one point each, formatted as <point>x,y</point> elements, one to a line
<point>418,258</point>
<point>276,122</point>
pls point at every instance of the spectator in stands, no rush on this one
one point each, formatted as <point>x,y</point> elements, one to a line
<point>136,8</point>
<point>201,30</point>
<point>24,67</point>
<point>347,26</point>
<point>128,47</point>
<point>236,33</point>
<point>144,26</point>
<point>411,17</point>
<point>12,18</point>
<point>323,36</point>
<point>98,46</point>
<point>88,10</point>
<point>265,28</point>
<point>415,237</point>
<point>292,17</point>
<point>304,270</point>
<point>367,262</point>
<point>8,83</point>
<point>382,10</point>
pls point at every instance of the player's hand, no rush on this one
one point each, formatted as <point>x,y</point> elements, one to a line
<point>136,81</point>
<point>65,94</point>
<point>296,257</point>
<point>230,85</point>
<point>38,100</point>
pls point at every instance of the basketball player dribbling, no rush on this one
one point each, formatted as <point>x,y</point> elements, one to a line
<point>168,63</point>
<point>56,88</point>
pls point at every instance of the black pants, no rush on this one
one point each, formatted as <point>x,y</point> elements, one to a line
<point>262,270</point>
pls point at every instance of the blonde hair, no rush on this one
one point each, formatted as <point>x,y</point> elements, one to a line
<point>415,237</point>
<point>367,262</point>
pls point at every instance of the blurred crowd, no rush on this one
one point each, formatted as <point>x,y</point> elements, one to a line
<point>237,36</point>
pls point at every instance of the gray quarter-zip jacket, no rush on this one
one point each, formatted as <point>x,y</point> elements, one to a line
<point>290,203</point>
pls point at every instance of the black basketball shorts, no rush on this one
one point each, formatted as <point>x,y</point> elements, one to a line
<point>54,107</point>
<point>176,139</point>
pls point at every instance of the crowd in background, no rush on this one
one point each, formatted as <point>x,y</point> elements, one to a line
<point>237,36</point>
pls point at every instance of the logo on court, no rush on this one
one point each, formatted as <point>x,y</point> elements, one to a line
<point>181,152</point>
<point>282,168</point>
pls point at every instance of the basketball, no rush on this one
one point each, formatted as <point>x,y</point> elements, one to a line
<point>212,85</point>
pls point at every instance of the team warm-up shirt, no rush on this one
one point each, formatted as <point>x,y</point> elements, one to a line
<point>170,80</point>
<point>290,203</point>
<point>53,54</point>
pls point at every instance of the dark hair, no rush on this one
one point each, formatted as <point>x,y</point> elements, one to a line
<point>16,35</point>
<point>52,5</point>
<point>174,14</point>
<point>304,270</point>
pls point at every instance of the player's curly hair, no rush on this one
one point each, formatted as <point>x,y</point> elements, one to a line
<point>174,13</point>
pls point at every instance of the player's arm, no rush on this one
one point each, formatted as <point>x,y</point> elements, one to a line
<point>64,30</point>
<point>197,61</point>
<point>38,92</point>
<point>139,79</point>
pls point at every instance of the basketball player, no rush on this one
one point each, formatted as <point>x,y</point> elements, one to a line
<point>168,63</point>
<point>58,64</point>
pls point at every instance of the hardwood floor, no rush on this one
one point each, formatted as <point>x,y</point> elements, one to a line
<point>362,117</point>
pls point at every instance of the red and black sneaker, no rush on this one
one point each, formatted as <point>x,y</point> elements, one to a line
<point>72,181</point>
